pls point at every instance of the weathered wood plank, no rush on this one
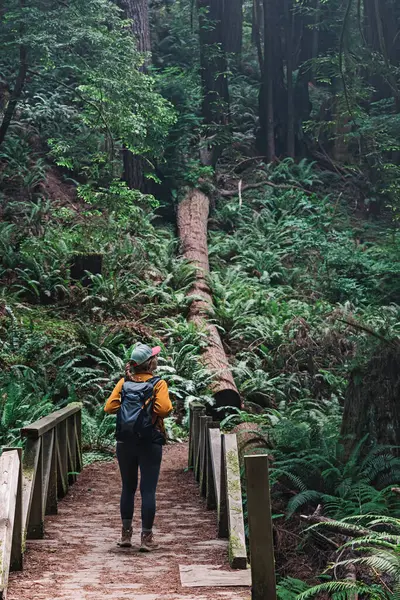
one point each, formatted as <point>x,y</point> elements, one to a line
<point>35,528</point>
<point>210,483</point>
<point>213,576</point>
<point>204,422</point>
<point>237,540</point>
<point>51,496</point>
<point>62,460</point>
<point>47,451</point>
<point>196,440</point>
<point>40,427</point>
<point>214,438</point>
<point>260,527</point>
<point>78,440</point>
<point>16,559</point>
<point>9,483</point>
<point>223,529</point>
<point>29,472</point>
<point>71,451</point>
<point>192,408</point>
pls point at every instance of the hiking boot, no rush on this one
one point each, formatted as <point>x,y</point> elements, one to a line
<point>147,542</point>
<point>125,541</point>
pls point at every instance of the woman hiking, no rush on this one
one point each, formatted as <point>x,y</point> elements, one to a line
<point>141,402</point>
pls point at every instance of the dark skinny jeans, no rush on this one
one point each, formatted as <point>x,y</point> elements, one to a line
<point>147,458</point>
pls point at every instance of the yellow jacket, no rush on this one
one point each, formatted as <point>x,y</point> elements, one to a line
<point>162,405</point>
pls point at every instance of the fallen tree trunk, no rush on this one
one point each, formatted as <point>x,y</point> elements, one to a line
<point>193,214</point>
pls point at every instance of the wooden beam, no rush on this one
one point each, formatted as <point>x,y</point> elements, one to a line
<point>78,440</point>
<point>30,463</point>
<point>199,412</point>
<point>40,427</point>
<point>10,468</point>
<point>35,529</point>
<point>62,459</point>
<point>51,496</point>
<point>48,452</point>
<point>16,559</point>
<point>260,528</point>
<point>204,422</point>
<point>193,406</point>
<point>223,529</point>
<point>234,505</point>
<point>210,481</point>
<point>71,451</point>
<point>214,438</point>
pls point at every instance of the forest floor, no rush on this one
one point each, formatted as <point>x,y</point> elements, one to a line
<point>78,558</point>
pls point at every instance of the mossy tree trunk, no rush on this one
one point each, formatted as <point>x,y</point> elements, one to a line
<point>193,214</point>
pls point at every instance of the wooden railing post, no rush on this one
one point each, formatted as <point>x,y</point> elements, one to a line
<point>223,531</point>
<point>16,558</point>
<point>71,449</point>
<point>62,459</point>
<point>36,518</point>
<point>198,412</point>
<point>78,440</point>
<point>260,528</point>
<point>204,422</point>
<point>10,516</point>
<point>234,505</point>
<point>51,475</point>
<point>193,406</point>
<point>210,491</point>
<point>214,438</point>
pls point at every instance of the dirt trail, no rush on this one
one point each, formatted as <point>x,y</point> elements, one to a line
<point>78,559</point>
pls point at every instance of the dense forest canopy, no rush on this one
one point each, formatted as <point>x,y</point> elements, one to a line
<point>222,178</point>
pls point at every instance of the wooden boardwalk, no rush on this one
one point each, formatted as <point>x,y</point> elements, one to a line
<point>78,558</point>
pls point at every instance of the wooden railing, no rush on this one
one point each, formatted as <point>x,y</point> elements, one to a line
<point>214,458</point>
<point>32,480</point>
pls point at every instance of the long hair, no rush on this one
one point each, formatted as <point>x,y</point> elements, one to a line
<point>131,370</point>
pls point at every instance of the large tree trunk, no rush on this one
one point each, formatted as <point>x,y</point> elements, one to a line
<point>266,101</point>
<point>193,214</point>
<point>289,18</point>
<point>372,404</point>
<point>233,26</point>
<point>213,63</point>
<point>381,31</point>
<point>138,12</point>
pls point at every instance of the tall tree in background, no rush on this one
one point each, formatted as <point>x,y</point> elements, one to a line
<point>138,12</point>
<point>232,26</point>
<point>213,63</point>
<point>381,31</point>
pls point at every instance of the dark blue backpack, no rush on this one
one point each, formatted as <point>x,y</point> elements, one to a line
<point>135,417</point>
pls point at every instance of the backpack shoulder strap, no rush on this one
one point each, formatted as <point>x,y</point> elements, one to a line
<point>153,381</point>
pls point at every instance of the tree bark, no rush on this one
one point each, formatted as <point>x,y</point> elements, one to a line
<point>138,12</point>
<point>267,92</point>
<point>289,18</point>
<point>193,214</point>
<point>232,26</point>
<point>372,403</point>
<point>213,64</point>
<point>256,32</point>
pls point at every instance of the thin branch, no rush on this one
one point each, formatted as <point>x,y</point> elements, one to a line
<point>252,186</point>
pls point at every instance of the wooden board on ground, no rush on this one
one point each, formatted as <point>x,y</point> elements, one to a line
<point>211,576</point>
